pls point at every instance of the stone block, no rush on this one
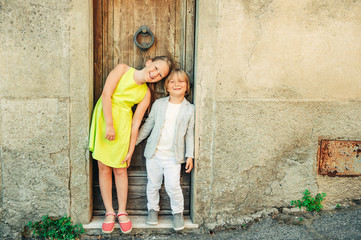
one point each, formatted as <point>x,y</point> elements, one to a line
<point>35,124</point>
<point>34,49</point>
<point>35,160</point>
<point>44,182</point>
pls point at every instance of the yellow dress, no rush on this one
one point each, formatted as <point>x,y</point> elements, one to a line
<point>126,94</point>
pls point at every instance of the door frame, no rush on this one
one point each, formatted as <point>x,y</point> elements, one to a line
<point>187,62</point>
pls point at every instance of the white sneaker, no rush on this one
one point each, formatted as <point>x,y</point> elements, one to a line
<point>178,221</point>
<point>152,217</point>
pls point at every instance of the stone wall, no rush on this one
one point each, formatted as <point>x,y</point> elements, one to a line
<point>45,92</point>
<point>272,78</point>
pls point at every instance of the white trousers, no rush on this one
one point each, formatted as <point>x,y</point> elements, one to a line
<point>157,167</point>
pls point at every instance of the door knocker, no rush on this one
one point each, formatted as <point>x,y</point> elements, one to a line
<point>144,31</point>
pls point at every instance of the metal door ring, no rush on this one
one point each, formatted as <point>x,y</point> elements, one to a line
<point>144,30</point>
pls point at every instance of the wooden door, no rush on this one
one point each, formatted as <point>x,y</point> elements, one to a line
<point>115,23</point>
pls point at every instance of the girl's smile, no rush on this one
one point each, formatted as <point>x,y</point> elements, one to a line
<point>156,71</point>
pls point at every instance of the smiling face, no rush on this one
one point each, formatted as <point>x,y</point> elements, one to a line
<point>177,84</point>
<point>156,71</point>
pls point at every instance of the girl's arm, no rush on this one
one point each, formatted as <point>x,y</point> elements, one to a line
<point>148,125</point>
<point>108,90</point>
<point>137,119</point>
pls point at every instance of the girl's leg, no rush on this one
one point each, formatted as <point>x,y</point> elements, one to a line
<point>105,184</point>
<point>121,183</point>
<point>155,177</point>
<point>172,185</point>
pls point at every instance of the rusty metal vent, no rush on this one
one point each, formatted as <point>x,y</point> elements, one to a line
<point>339,158</point>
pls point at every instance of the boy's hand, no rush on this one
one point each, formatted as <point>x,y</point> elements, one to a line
<point>189,165</point>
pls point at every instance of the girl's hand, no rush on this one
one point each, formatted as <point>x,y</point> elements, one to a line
<point>110,133</point>
<point>127,159</point>
<point>189,165</point>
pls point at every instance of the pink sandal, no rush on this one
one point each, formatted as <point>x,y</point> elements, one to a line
<point>108,227</point>
<point>126,226</point>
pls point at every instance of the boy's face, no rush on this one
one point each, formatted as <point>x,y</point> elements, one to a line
<point>177,86</point>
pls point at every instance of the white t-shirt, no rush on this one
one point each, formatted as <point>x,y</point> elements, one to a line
<point>165,145</point>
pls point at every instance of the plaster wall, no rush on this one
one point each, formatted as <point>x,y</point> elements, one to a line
<point>272,78</point>
<point>45,98</point>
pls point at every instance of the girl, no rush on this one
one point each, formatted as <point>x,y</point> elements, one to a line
<point>113,131</point>
<point>171,125</point>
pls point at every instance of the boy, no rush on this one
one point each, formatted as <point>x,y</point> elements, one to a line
<point>171,128</point>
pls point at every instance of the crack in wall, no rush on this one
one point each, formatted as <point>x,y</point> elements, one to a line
<point>53,154</point>
<point>264,9</point>
<point>69,155</point>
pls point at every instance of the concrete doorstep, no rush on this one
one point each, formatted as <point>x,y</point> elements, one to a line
<point>165,225</point>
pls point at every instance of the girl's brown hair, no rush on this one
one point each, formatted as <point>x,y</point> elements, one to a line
<point>180,74</point>
<point>151,86</point>
<point>166,59</point>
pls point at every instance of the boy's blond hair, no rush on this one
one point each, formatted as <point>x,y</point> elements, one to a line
<point>180,74</point>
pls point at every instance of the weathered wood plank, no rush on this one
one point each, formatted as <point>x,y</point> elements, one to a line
<point>165,27</point>
<point>189,39</point>
<point>98,49</point>
<point>108,38</point>
<point>117,39</point>
<point>139,177</point>
<point>189,43</point>
<point>105,39</point>
<point>144,14</point>
<point>137,198</point>
<point>123,31</point>
<point>140,212</point>
<point>177,35</point>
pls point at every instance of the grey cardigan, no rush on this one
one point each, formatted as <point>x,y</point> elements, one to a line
<point>184,129</point>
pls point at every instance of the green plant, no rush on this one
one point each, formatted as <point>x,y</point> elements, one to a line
<point>56,228</point>
<point>311,204</point>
